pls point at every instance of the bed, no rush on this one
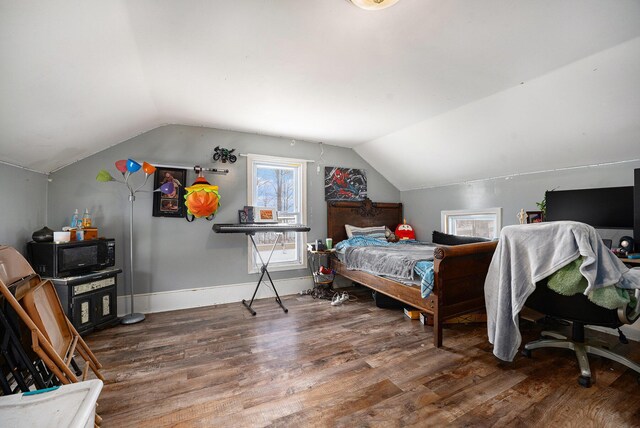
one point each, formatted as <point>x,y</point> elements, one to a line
<point>459,271</point>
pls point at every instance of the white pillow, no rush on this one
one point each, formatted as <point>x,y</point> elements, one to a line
<point>378,232</point>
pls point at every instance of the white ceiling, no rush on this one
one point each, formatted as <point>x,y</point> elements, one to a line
<point>451,90</point>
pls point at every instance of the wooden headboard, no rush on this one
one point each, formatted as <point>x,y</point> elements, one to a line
<point>360,213</point>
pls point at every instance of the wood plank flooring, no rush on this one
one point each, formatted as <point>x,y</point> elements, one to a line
<point>346,366</point>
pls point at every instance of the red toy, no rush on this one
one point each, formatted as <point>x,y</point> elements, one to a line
<point>405,231</point>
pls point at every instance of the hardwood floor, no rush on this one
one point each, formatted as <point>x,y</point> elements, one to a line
<point>350,365</point>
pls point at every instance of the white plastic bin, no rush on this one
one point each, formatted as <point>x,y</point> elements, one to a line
<point>71,405</point>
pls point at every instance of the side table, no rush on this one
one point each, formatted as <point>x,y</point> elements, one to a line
<point>321,273</point>
<point>89,300</point>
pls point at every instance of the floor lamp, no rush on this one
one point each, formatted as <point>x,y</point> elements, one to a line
<point>127,168</point>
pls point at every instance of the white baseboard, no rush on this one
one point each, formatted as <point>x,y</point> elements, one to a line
<point>205,296</point>
<point>631,331</point>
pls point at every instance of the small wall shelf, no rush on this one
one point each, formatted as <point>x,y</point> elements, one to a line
<point>194,168</point>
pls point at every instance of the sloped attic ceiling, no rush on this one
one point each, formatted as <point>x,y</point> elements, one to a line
<point>450,91</point>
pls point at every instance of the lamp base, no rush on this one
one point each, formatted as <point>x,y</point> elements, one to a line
<point>132,318</point>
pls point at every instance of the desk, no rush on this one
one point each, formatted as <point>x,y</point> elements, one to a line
<point>250,230</point>
<point>634,262</point>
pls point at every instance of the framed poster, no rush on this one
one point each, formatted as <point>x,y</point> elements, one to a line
<point>535,217</point>
<point>265,215</point>
<point>171,205</point>
<point>344,184</point>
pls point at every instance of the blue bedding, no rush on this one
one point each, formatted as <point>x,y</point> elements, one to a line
<point>423,269</point>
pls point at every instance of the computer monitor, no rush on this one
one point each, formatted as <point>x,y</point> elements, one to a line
<point>604,208</point>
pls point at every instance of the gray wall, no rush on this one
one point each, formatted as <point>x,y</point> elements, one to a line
<point>422,207</point>
<point>171,254</point>
<point>23,205</point>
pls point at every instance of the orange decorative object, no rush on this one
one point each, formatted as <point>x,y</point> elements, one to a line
<point>405,231</point>
<point>202,199</point>
<point>148,168</point>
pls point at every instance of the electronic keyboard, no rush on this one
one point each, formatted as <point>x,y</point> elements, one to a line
<point>251,228</point>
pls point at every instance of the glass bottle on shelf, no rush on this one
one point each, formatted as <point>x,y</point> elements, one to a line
<point>86,219</point>
<point>74,219</point>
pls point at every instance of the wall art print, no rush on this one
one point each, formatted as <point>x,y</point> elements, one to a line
<point>171,205</point>
<point>344,184</point>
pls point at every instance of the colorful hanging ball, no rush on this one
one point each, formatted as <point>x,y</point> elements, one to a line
<point>202,199</point>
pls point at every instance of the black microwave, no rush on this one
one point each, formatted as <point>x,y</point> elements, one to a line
<point>57,260</point>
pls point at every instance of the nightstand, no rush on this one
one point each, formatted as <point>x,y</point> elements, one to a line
<point>322,281</point>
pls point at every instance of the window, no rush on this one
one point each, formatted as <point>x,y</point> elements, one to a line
<point>279,183</point>
<point>484,223</point>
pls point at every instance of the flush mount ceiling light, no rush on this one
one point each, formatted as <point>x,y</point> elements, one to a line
<point>374,4</point>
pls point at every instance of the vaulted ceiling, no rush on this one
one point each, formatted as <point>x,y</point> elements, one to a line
<point>429,92</point>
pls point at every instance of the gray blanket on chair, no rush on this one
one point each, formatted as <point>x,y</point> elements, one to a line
<point>389,261</point>
<point>529,253</point>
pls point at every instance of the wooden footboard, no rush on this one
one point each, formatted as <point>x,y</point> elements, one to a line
<point>459,274</point>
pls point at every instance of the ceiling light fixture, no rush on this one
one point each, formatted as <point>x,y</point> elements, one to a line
<point>373,4</point>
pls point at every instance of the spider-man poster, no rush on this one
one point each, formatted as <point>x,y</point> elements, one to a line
<point>344,184</point>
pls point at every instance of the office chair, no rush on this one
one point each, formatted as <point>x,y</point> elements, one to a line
<point>580,311</point>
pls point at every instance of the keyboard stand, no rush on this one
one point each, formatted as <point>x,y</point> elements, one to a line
<point>264,270</point>
<point>251,229</point>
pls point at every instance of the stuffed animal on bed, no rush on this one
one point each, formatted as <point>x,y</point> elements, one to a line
<point>391,237</point>
<point>405,231</point>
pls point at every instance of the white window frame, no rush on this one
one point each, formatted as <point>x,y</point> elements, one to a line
<point>446,215</point>
<point>301,237</point>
